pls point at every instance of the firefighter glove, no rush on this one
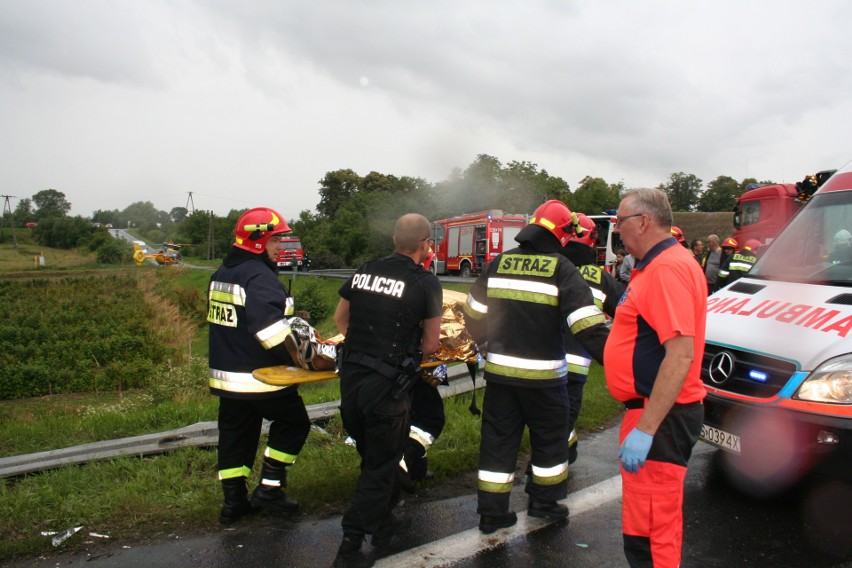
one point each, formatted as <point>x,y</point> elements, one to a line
<point>635,449</point>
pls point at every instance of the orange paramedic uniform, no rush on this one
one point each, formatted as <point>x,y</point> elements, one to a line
<point>666,297</point>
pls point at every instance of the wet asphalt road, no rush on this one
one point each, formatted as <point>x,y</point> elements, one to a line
<point>808,527</point>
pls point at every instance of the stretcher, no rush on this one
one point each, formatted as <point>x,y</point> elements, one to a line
<point>283,375</point>
<point>456,346</point>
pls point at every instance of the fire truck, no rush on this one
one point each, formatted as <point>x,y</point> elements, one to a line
<point>292,255</point>
<point>463,245</point>
<point>762,211</point>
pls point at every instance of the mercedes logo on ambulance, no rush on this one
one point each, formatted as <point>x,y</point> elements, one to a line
<point>722,367</point>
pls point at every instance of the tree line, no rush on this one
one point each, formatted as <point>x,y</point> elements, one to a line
<point>353,220</point>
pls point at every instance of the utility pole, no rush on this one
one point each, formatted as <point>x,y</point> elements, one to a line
<point>190,201</point>
<point>7,207</point>
<point>210,242</point>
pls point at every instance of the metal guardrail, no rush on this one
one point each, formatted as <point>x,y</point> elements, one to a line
<point>200,434</point>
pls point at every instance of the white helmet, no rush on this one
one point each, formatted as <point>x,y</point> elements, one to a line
<point>842,238</point>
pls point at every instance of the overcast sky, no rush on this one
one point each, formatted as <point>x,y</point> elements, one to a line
<point>251,103</point>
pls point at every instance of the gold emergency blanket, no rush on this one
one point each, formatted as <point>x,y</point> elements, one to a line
<point>455,343</point>
<point>310,348</point>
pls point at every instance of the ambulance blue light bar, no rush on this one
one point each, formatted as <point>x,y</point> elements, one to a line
<point>759,376</point>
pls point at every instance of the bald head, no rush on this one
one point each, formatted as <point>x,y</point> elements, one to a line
<point>411,232</point>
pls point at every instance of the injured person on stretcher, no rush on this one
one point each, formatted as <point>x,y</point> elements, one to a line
<point>310,352</point>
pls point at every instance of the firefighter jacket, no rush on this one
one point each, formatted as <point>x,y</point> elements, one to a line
<point>606,290</point>
<point>735,266</point>
<point>520,305</point>
<point>388,298</point>
<point>247,309</point>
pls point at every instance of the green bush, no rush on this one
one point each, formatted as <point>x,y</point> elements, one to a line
<point>62,232</point>
<point>77,335</point>
<point>114,251</point>
<point>308,297</point>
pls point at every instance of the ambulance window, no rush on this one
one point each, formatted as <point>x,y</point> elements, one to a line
<point>806,251</point>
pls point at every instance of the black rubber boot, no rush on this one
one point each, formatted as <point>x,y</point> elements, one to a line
<point>269,494</point>
<point>415,459</point>
<point>349,554</point>
<point>490,523</point>
<point>396,523</point>
<point>547,510</point>
<point>236,504</point>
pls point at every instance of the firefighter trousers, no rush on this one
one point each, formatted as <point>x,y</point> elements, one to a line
<point>652,498</point>
<point>427,423</point>
<point>576,383</point>
<point>240,424</point>
<point>379,424</point>
<point>506,410</point>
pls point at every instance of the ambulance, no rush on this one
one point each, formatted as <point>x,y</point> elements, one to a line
<point>778,358</point>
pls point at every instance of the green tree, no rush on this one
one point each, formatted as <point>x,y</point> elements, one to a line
<point>335,189</point>
<point>375,182</point>
<point>348,233</point>
<point>23,212</point>
<point>106,217</point>
<point>683,190</point>
<point>480,185</point>
<point>593,196</point>
<point>178,214</point>
<point>518,187</point>
<point>721,195</point>
<point>50,203</point>
<point>198,228</point>
<point>524,187</point>
<point>144,216</point>
<point>62,232</point>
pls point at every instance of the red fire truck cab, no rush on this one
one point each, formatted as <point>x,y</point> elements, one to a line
<point>762,211</point>
<point>292,255</point>
<point>465,244</point>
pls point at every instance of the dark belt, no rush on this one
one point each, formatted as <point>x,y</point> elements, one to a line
<point>635,403</point>
<point>379,366</point>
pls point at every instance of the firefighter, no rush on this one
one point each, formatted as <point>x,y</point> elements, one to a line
<point>678,234</point>
<point>248,309</point>
<point>519,307</point>
<point>427,423</point>
<point>739,263</point>
<point>390,312</point>
<point>729,247</point>
<point>842,249</point>
<point>606,291</point>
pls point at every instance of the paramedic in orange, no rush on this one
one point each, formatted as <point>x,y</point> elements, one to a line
<point>652,362</point>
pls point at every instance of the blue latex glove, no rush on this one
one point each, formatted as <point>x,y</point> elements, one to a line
<point>635,449</point>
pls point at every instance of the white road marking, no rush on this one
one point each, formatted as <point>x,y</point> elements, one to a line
<point>460,546</point>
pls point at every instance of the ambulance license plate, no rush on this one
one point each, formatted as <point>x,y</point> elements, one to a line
<point>720,438</point>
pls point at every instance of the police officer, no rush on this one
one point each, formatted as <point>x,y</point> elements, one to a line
<point>247,313</point>
<point>606,290</point>
<point>519,306</point>
<point>390,313</point>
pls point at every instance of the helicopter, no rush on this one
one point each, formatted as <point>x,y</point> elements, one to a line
<point>168,254</point>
